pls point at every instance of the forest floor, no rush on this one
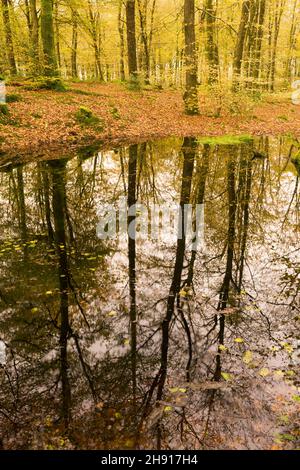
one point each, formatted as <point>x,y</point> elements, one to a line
<point>43,122</point>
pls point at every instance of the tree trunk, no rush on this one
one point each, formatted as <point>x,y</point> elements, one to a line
<point>74,44</point>
<point>131,40</point>
<point>8,38</point>
<point>190,94</point>
<point>256,55</point>
<point>240,43</point>
<point>34,37</point>
<point>47,33</point>
<point>211,45</point>
<point>122,42</point>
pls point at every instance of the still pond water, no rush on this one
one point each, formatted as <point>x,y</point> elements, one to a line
<point>152,342</point>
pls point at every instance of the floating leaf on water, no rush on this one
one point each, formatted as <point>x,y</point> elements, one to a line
<point>288,347</point>
<point>238,340</point>
<point>168,408</point>
<point>290,373</point>
<point>278,373</point>
<point>296,398</point>
<point>247,357</point>
<point>287,437</point>
<point>264,372</point>
<point>226,376</point>
<point>112,313</point>
<point>284,419</point>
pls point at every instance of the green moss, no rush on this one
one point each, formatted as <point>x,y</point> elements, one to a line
<point>115,112</point>
<point>46,83</point>
<point>283,118</point>
<point>13,98</point>
<point>4,111</point>
<point>85,117</point>
<point>226,140</point>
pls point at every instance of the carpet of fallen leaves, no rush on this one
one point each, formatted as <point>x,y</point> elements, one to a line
<point>43,122</point>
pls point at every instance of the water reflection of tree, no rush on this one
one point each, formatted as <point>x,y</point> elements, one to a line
<point>197,300</point>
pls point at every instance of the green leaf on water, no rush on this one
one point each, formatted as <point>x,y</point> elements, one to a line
<point>264,372</point>
<point>238,340</point>
<point>296,398</point>
<point>168,408</point>
<point>226,376</point>
<point>247,357</point>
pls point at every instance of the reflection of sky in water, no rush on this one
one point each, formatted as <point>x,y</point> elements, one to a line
<point>261,352</point>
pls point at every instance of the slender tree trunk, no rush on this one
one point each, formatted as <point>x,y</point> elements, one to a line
<point>34,37</point>
<point>191,82</point>
<point>131,40</point>
<point>47,33</point>
<point>292,42</point>
<point>256,55</point>
<point>211,44</point>
<point>8,38</point>
<point>189,150</point>
<point>122,42</point>
<point>74,44</point>
<point>225,288</point>
<point>240,44</point>
<point>56,34</point>
<point>131,221</point>
<point>277,22</point>
<point>94,35</point>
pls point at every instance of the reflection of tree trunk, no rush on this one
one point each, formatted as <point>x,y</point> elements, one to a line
<point>188,150</point>
<point>131,221</point>
<point>244,194</point>
<point>224,291</point>
<point>58,203</point>
<point>240,43</point>
<point>46,191</point>
<point>22,210</point>
<point>256,53</point>
<point>202,169</point>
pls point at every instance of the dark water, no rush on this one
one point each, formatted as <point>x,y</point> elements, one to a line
<point>152,343</point>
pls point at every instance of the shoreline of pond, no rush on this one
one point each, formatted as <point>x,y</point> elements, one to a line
<point>46,122</point>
